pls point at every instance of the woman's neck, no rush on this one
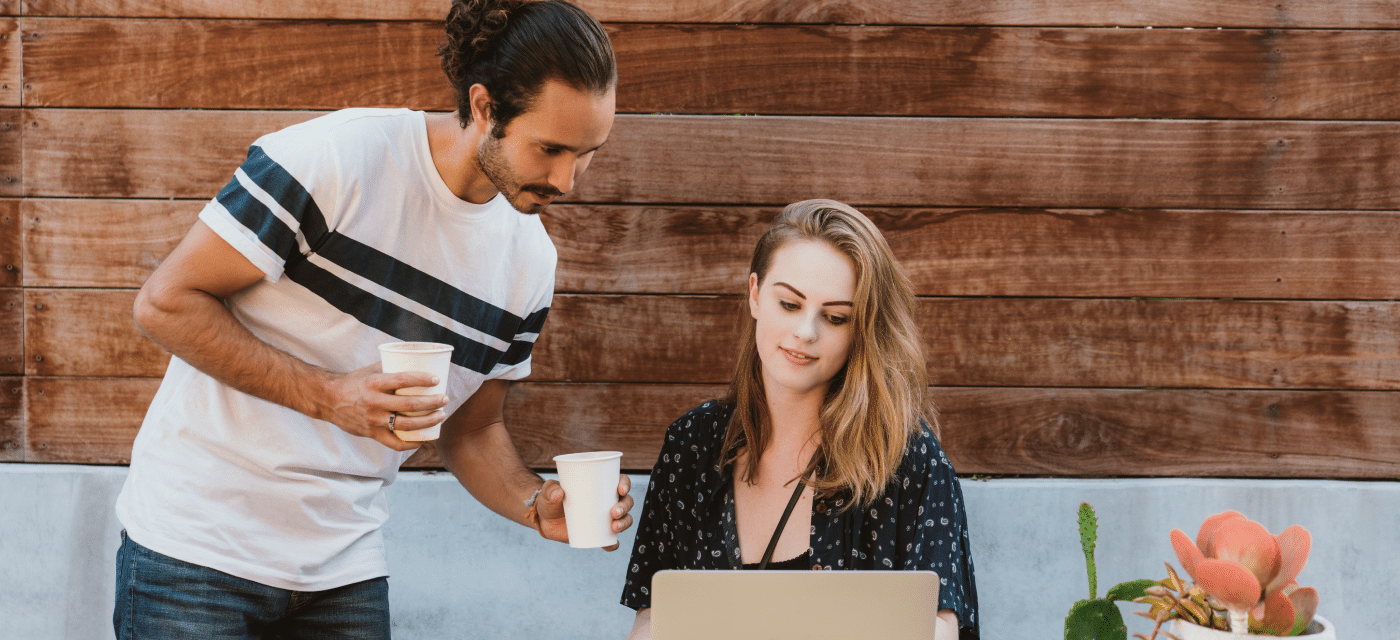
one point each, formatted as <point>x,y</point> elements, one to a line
<point>795,430</point>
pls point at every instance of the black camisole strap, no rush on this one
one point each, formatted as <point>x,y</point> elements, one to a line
<point>777,533</point>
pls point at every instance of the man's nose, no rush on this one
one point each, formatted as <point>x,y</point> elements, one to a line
<point>562,174</point>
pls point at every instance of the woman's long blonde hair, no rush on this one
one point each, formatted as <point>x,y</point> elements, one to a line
<point>873,405</point>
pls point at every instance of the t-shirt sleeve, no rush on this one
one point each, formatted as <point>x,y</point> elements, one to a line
<point>515,363</point>
<point>654,547</point>
<point>267,211</point>
<point>936,536</point>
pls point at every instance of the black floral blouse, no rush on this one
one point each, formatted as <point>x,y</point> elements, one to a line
<point>687,520</point>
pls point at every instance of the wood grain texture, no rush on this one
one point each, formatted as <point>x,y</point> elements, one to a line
<point>1028,342</point>
<point>87,332</point>
<point>11,331</point>
<point>101,243</point>
<point>1008,72</point>
<point>11,70</point>
<point>1005,252</point>
<point>725,69</point>
<point>1161,13</point>
<point>233,64</point>
<point>999,162</point>
<point>1012,342</point>
<point>85,420</point>
<point>1323,255</point>
<point>1032,431</point>
<point>11,153</point>
<point>12,264</point>
<point>1098,432</point>
<point>123,153</point>
<point>776,160</point>
<point>11,419</point>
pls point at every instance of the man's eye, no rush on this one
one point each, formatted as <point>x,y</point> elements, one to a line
<point>551,151</point>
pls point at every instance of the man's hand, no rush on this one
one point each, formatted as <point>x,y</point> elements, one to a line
<point>361,401</point>
<point>550,508</point>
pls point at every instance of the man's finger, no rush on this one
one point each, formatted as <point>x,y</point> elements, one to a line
<point>551,505</point>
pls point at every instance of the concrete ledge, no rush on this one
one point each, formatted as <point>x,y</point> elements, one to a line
<point>460,571</point>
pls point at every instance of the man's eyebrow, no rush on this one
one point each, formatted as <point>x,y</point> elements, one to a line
<point>554,145</point>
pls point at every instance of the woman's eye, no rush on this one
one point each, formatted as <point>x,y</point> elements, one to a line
<point>838,320</point>
<point>788,306</point>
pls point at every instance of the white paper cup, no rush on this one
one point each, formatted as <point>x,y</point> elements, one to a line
<point>590,492</point>
<point>429,357</point>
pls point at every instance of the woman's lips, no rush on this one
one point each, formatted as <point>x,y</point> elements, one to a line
<point>796,357</point>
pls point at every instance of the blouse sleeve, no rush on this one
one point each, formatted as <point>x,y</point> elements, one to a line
<point>654,548</point>
<point>933,528</point>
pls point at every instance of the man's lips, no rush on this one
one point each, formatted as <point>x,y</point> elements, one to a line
<point>797,357</point>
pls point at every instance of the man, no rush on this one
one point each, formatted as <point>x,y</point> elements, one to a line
<point>255,497</point>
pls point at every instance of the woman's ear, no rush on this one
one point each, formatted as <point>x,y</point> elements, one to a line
<point>753,295</point>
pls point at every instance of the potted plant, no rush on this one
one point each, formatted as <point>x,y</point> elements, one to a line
<point>1244,582</point>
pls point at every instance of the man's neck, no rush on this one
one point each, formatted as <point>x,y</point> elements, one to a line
<point>454,151</point>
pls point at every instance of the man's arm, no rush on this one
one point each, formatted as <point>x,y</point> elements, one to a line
<point>181,307</point>
<point>476,448</point>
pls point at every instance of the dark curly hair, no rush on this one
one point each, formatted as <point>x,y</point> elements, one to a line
<point>512,47</point>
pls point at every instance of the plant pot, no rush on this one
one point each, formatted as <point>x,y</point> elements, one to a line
<point>1320,629</point>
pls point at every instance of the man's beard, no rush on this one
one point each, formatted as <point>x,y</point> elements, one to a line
<point>498,170</point>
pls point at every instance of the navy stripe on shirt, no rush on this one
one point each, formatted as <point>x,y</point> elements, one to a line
<point>376,266</point>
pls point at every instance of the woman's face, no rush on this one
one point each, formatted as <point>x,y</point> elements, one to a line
<point>802,311</point>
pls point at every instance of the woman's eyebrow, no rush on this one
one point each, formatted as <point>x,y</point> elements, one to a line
<point>790,288</point>
<point>824,304</point>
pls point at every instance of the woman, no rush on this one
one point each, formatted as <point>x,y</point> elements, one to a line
<point>825,419</point>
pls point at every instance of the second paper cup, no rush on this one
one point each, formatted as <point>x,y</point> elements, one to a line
<point>590,492</point>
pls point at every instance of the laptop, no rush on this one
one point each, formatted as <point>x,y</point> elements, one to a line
<point>800,605</point>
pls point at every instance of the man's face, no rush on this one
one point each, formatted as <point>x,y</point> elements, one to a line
<point>546,149</point>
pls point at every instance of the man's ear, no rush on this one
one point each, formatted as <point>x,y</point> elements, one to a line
<point>479,99</point>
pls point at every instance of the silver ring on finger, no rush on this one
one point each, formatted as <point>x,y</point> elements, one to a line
<point>392,415</point>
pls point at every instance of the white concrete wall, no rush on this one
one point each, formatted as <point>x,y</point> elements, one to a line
<point>459,571</point>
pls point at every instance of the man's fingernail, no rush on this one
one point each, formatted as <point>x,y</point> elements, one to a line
<point>554,495</point>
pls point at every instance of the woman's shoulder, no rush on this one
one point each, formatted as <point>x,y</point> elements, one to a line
<point>924,454</point>
<point>702,427</point>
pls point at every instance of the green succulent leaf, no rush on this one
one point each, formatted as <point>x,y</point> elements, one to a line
<point>1129,591</point>
<point>1097,619</point>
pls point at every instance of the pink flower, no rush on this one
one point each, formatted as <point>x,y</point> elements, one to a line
<point>1251,572</point>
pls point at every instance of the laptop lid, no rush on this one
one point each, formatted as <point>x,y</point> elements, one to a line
<point>801,605</point>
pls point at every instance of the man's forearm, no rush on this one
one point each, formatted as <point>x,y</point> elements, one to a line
<point>199,329</point>
<point>487,464</point>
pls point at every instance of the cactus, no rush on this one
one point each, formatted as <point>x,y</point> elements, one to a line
<point>1099,618</point>
<point>1089,538</point>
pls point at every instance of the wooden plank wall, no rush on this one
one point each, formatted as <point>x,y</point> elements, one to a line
<point>1155,237</point>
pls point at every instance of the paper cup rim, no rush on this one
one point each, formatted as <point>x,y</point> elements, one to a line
<point>588,456</point>
<point>395,347</point>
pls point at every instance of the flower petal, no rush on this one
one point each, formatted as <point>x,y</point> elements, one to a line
<point>1250,544</point>
<point>1294,544</point>
<point>1229,582</point>
<point>1278,616</point>
<point>1304,605</point>
<point>1189,554</point>
<point>1203,537</point>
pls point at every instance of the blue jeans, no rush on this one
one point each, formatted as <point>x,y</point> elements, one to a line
<point>161,598</point>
